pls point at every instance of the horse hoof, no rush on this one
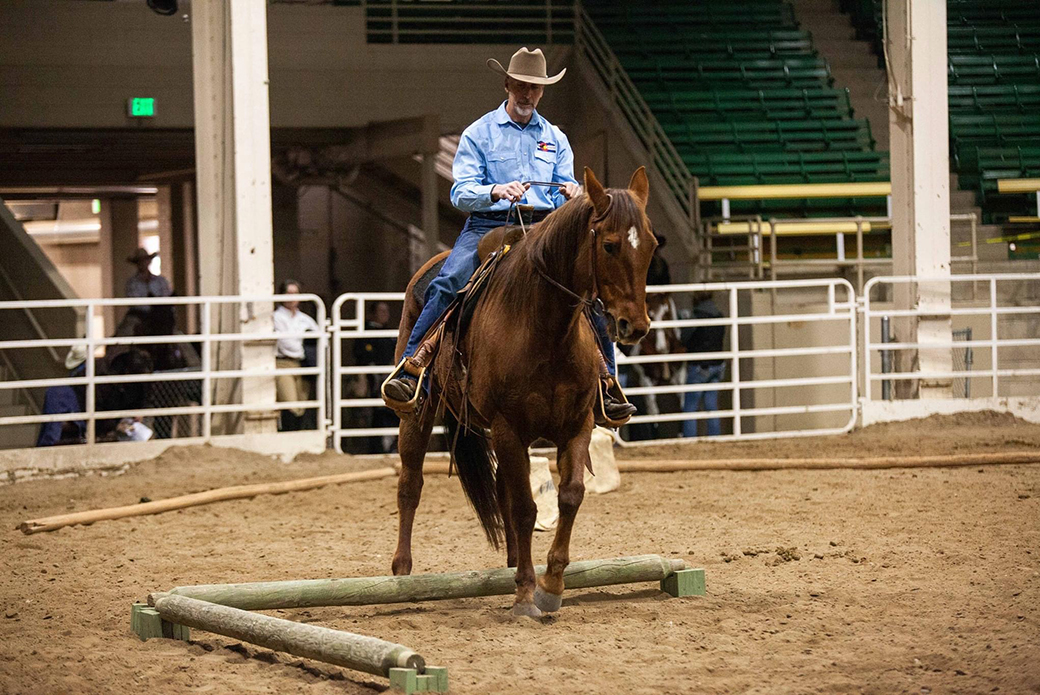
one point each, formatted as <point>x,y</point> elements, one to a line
<point>548,603</point>
<point>528,610</point>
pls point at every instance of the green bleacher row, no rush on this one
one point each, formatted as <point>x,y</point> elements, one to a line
<point>749,104</point>
<point>678,74</point>
<point>1020,97</point>
<point>801,135</point>
<point>994,68</point>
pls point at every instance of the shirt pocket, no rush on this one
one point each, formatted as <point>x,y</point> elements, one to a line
<point>544,165</point>
<point>503,166</point>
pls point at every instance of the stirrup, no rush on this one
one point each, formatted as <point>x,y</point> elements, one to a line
<point>404,407</point>
<point>612,386</point>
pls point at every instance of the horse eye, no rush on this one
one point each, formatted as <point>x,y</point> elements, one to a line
<point>611,248</point>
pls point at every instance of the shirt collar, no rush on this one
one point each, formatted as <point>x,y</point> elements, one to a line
<point>502,118</point>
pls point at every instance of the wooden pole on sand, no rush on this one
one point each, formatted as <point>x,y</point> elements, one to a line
<point>362,591</point>
<point>781,464</point>
<point>53,523</point>
<point>338,647</point>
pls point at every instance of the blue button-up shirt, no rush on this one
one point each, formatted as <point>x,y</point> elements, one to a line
<point>495,149</point>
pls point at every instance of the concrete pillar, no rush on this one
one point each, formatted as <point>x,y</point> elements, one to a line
<point>233,174</point>
<point>919,134</point>
<point>119,238</point>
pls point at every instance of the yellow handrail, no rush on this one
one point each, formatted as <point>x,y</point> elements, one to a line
<point>796,190</point>
<point>1018,185</point>
<point>791,228</point>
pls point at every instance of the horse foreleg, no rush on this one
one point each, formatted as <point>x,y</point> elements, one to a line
<point>413,439</point>
<point>571,462</point>
<point>514,479</point>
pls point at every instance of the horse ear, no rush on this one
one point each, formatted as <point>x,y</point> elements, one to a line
<point>597,194</point>
<point>640,186</point>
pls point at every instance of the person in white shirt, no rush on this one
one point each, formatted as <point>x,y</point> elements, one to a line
<point>289,354</point>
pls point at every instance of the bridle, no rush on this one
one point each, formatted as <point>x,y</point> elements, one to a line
<point>591,304</point>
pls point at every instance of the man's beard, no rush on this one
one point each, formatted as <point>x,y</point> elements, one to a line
<point>524,110</point>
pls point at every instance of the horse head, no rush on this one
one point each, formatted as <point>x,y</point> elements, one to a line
<point>623,248</point>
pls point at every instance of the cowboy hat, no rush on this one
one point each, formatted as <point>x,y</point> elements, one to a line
<point>140,255</point>
<point>526,66</point>
<point>77,356</point>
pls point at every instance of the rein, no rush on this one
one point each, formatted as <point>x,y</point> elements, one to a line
<point>592,304</point>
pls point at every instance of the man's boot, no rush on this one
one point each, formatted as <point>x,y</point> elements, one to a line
<point>399,391</point>
<point>616,410</point>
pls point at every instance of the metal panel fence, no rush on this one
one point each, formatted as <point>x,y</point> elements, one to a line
<point>998,314</point>
<point>758,355</point>
<point>176,402</point>
<point>790,361</point>
<point>789,358</point>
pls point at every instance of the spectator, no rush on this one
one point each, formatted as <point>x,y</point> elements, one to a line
<point>708,371</point>
<point>144,283</point>
<point>290,354</point>
<point>66,399</point>
<point>377,351</point>
<point>132,395</point>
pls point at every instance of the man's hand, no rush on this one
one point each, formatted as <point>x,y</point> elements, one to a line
<point>570,190</point>
<point>512,191</point>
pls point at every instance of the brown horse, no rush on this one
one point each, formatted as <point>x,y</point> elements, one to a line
<point>531,372</point>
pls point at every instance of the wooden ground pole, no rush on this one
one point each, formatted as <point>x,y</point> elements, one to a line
<point>363,591</point>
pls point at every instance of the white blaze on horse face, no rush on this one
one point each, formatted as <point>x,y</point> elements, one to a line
<point>633,236</point>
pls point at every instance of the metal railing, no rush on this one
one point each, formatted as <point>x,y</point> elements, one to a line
<point>208,372</point>
<point>394,21</point>
<point>791,302</point>
<point>593,47</point>
<point>796,365</point>
<point>760,266</point>
<point>991,321</point>
<point>349,409</point>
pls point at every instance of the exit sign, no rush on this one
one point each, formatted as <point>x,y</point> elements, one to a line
<point>140,107</point>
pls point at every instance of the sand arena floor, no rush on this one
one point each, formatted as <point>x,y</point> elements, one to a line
<point>886,581</point>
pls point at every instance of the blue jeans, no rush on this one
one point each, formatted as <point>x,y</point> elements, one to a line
<point>461,263</point>
<point>692,400</point>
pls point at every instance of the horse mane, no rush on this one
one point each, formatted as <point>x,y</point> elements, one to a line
<point>559,244</point>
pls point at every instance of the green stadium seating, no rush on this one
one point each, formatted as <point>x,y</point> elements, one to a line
<point>744,104</point>
<point>757,136</point>
<point>994,69</point>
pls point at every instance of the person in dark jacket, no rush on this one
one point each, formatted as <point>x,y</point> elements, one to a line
<point>707,371</point>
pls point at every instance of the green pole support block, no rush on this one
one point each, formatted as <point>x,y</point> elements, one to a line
<point>442,678</point>
<point>404,680</point>
<point>146,622</point>
<point>684,583</point>
<point>426,684</point>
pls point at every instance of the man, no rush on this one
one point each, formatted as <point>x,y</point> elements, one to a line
<point>710,371</point>
<point>290,354</point>
<point>66,399</point>
<point>496,155</point>
<point>145,283</point>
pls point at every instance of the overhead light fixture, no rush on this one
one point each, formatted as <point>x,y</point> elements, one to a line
<point>163,7</point>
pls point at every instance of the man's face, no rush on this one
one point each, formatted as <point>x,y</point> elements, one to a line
<point>142,265</point>
<point>382,313</point>
<point>291,289</point>
<point>523,96</point>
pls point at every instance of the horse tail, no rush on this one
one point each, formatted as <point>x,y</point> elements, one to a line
<point>475,462</point>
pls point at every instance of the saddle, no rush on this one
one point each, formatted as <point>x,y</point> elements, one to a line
<point>492,247</point>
